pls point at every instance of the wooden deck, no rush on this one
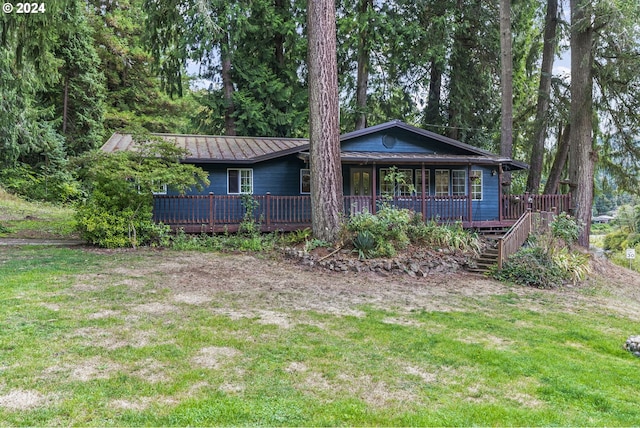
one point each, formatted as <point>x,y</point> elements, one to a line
<point>219,213</point>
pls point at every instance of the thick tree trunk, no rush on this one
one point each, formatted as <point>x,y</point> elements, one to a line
<point>324,122</point>
<point>553,182</point>
<point>506,82</point>
<point>364,56</point>
<point>544,92</point>
<point>582,156</point>
<point>227,89</point>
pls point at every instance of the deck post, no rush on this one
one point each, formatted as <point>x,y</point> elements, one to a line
<point>268,209</point>
<point>424,195</point>
<point>211,212</point>
<point>469,196</point>
<point>374,191</point>
<point>500,201</point>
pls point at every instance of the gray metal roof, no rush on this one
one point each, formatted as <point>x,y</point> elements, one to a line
<point>219,149</point>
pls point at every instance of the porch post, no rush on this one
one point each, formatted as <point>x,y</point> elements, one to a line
<point>424,195</point>
<point>500,203</point>
<point>211,213</point>
<point>469,196</point>
<point>374,191</point>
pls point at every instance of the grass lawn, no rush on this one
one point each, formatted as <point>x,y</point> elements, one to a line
<point>21,219</point>
<point>118,338</point>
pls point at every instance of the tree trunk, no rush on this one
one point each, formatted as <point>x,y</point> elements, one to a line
<point>65,105</point>
<point>553,182</point>
<point>582,156</point>
<point>227,88</point>
<point>364,6</point>
<point>506,82</point>
<point>544,92</point>
<point>432,111</point>
<point>324,122</point>
<point>279,39</point>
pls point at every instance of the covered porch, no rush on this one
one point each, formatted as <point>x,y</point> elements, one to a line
<point>219,213</point>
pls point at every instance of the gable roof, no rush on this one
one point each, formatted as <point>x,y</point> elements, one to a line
<point>250,150</point>
<point>219,149</point>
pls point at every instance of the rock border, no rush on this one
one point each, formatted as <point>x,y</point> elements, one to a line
<point>415,263</point>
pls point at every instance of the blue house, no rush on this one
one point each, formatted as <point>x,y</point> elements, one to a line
<point>442,178</point>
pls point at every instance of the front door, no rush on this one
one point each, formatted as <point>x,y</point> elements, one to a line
<point>360,182</point>
<point>360,190</point>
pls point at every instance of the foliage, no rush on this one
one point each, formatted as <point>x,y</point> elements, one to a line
<point>249,226</point>
<point>566,228</point>
<point>533,267</point>
<point>118,209</point>
<point>44,184</point>
<point>364,244</point>
<point>395,228</point>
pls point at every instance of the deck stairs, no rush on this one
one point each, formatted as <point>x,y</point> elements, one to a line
<point>489,255</point>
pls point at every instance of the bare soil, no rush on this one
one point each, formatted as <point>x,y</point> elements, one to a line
<point>271,289</point>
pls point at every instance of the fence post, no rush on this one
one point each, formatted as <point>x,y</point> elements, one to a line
<point>268,209</point>
<point>211,212</point>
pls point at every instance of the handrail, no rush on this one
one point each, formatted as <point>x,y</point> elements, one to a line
<point>511,242</point>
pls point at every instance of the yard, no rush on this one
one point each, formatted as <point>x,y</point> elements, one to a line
<point>150,337</point>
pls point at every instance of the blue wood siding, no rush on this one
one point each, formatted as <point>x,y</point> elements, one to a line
<point>405,142</point>
<point>278,176</point>
<point>486,209</point>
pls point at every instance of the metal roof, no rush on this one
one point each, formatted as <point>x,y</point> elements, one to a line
<point>219,149</point>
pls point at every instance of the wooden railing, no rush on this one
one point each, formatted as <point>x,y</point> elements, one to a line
<point>513,206</point>
<point>511,242</point>
<point>443,208</point>
<point>212,213</point>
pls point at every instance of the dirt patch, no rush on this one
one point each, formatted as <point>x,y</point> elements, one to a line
<point>18,399</point>
<point>214,357</point>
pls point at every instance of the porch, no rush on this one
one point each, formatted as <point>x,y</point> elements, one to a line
<point>218,213</point>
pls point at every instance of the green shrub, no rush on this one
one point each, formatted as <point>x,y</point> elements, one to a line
<point>533,267</point>
<point>39,185</point>
<point>364,244</point>
<point>574,265</point>
<point>615,241</point>
<point>566,228</point>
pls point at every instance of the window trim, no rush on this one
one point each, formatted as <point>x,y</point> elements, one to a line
<point>480,175</point>
<point>240,171</point>
<point>448,175</point>
<point>464,182</point>
<point>303,172</point>
<point>418,178</point>
<point>405,189</point>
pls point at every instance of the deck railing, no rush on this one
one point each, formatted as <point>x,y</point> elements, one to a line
<point>511,242</point>
<point>513,206</point>
<point>212,213</point>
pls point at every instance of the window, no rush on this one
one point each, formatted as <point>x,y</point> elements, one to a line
<point>458,182</point>
<point>160,189</point>
<point>239,181</point>
<point>476,185</point>
<point>305,181</point>
<point>427,182</point>
<point>442,182</point>
<point>401,186</point>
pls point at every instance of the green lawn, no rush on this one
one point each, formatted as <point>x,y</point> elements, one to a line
<point>166,338</point>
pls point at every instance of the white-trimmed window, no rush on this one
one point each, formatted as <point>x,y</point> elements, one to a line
<point>401,187</point>
<point>160,189</point>
<point>427,182</point>
<point>442,182</point>
<point>305,181</point>
<point>476,184</point>
<point>458,182</point>
<point>239,180</point>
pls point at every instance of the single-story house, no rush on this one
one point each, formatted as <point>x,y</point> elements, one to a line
<point>444,179</point>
